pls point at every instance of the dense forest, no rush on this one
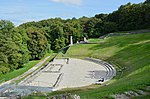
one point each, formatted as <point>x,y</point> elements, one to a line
<point>33,40</point>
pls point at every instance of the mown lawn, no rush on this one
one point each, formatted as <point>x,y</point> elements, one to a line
<point>95,40</point>
<point>131,52</point>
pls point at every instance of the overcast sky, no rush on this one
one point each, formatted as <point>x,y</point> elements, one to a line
<point>20,11</point>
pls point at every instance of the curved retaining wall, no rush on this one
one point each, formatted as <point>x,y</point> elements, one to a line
<point>111,71</point>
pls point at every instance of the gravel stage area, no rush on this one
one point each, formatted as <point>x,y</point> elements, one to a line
<point>74,73</point>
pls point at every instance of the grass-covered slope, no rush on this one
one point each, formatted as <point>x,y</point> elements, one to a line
<point>26,67</point>
<point>129,54</point>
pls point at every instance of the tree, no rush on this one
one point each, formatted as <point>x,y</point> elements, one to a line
<point>101,16</point>
<point>131,16</point>
<point>37,43</point>
<point>8,48</point>
<point>6,25</point>
<point>20,38</point>
<point>147,2</point>
<point>58,38</point>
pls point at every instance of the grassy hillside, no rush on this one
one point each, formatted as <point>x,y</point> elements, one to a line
<point>131,52</point>
<point>26,67</point>
<point>130,55</point>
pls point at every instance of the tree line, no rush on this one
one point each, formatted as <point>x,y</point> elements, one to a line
<point>32,40</point>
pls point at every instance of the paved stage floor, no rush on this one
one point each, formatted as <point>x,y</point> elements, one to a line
<point>75,73</point>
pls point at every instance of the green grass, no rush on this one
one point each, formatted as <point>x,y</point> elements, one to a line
<point>15,73</point>
<point>26,67</point>
<point>131,51</point>
<point>95,40</point>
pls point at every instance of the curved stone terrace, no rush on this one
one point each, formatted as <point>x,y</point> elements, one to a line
<point>71,72</point>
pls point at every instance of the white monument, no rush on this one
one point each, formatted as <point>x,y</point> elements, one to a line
<point>85,40</point>
<point>71,41</point>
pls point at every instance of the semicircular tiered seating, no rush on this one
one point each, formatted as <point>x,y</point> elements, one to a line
<point>110,70</point>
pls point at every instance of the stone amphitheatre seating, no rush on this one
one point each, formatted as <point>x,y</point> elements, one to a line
<point>111,72</point>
